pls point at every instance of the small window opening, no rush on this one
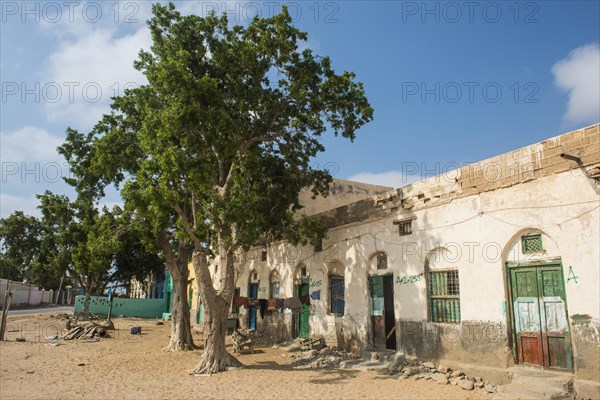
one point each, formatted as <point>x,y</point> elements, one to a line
<point>382,261</point>
<point>532,243</point>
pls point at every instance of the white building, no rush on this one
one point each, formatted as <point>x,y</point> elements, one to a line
<point>488,266</point>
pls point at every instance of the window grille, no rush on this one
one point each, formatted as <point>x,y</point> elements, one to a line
<point>382,261</point>
<point>532,243</point>
<point>444,296</point>
<point>236,310</point>
<point>336,292</point>
<point>405,228</point>
<point>274,290</point>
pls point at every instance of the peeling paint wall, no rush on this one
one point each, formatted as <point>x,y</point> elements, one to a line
<point>467,220</point>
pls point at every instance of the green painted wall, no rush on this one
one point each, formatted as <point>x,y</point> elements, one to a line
<point>144,308</point>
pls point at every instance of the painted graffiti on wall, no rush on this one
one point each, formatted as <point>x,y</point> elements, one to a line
<point>403,280</point>
<point>571,275</point>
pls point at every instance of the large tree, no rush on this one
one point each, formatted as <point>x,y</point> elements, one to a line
<point>218,145</point>
<point>20,242</point>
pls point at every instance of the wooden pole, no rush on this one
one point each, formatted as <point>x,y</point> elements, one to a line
<point>110,304</point>
<point>59,288</point>
<point>5,307</point>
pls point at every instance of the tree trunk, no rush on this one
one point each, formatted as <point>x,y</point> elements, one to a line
<point>215,357</point>
<point>216,309</point>
<point>181,332</point>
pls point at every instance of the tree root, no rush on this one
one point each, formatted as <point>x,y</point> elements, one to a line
<point>177,345</point>
<point>211,364</point>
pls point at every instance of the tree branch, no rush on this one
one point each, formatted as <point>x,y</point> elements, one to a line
<point>169,255</point>
<point>187,227</point>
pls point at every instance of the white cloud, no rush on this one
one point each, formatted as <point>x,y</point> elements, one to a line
<point>579,75</point>
<point>29,144</point>
<point>395,179</point>
<point>10,204</point>
<point>88,72</point>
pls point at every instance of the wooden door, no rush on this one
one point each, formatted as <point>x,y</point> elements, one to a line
<point>540,316</point>
<point>556,338</point>
<point>304,312</point>
<point>377,300</point>
<point>527,316</point>
<point>252,294</point>
<point>390,317</point>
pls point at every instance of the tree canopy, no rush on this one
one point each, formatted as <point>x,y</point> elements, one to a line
<point>215,149</point>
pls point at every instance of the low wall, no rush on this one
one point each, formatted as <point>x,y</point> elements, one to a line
<point>24,294</point>
<point>143,308</point>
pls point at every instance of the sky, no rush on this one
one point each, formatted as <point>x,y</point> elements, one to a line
<point>451,83</point>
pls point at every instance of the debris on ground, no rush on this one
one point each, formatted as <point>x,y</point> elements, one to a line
<point>87,330</point>
<point>259,339</point>
<point>439,373</point>
<point>329,357</point>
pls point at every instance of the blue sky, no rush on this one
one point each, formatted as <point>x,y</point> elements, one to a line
<point>451,82</point>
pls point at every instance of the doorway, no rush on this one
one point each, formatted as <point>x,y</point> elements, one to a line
<point>252,294</point>
<point>541,333</point>
<point>383,319</point>
<point>300,319</point>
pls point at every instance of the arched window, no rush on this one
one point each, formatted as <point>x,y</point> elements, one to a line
<point>274,285</point>
<point>443,288</point>
<point>337,302</point>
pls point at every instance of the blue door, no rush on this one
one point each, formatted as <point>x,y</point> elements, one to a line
<point>252,294</point>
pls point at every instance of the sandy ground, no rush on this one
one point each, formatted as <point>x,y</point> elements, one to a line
<point>137,367</point>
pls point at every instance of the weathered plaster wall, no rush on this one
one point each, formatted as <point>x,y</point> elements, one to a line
<point>467,219</point>
<point>341,193</point>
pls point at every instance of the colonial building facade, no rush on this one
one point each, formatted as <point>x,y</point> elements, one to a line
<point>491,265</point>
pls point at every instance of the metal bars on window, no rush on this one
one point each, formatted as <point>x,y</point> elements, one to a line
<point>532,243</point>
<point>444,296</point>
<point>336,290</point>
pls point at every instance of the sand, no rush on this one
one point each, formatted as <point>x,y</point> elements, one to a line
<point>137,367</point>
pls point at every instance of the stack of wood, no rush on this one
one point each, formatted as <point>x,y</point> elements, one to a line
<point>87,330</point>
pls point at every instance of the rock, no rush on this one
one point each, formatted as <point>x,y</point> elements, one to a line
<point>478,379</point>
<point>311,354</point>
<point>466,385</point>
<point>490,388</point>
<point>455,381</point>
<point>440,378</point>
<point>479,384</point>
<point>402,376</point>
<point>443,369</point>
<point>408,371</point>
<point>429,365</point>
<point>419,376</point>
<point>457,373</point>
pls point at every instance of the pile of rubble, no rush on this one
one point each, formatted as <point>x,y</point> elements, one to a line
<point>443,375</point>
<point>90,329</point>
<point>260,339</point>
<point>328,357</point>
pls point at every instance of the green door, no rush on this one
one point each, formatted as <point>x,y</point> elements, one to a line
<point>540,316</point>
<point>304,312</point>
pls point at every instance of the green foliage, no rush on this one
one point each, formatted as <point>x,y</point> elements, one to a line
<point>217,146</point>
<point>20,239</point>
